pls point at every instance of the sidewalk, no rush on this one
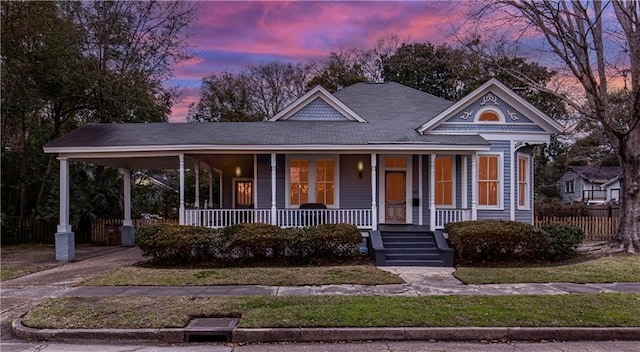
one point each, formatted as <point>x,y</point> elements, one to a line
<point>21,294</point>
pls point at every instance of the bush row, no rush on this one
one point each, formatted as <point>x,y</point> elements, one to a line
<point>169,244</point>
<point>504,241</point>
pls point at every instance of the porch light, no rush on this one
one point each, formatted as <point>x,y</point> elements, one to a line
<point>238,171</point>
<point>360,168</point>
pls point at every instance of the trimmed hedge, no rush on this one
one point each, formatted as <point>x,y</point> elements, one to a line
<point>495,240</point>
<point>512,241</point>
<point>170,244</point>
<point>563,240</point>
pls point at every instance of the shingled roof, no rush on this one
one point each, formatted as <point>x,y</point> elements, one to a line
<point>597,174</point>
<point>392,111</point>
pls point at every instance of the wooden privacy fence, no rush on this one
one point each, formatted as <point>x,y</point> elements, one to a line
<point>595,228</point>
<point>107,231</point>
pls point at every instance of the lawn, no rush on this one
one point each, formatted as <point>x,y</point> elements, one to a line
<point>20,260</point>
<point>591,310</point>
<point>615,268</point>
<point>269,276</point>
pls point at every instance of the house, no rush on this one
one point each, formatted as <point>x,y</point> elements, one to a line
<point>591,184</point>
<point>373,154</point>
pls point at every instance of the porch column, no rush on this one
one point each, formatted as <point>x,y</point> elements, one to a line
<point>127,231</point>
<point>196,170</point>
<point>512,195</point>
<point>274,221</point>
<point>474,187</point>
<point>420,181</point>
<point>181,207</point>
<point>210,186</point>
<point>432,192</point>
<point>65,240</point>
<point>374,205</point>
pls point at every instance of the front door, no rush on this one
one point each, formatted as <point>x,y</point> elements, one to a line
<point>395,198</point>
<point>243,194</point>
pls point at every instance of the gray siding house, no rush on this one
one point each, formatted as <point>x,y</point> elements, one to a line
<point>591,184</point>
<point>373,154</point>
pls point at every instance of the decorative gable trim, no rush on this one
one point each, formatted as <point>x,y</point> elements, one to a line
<point>488,94</point>
<point>317,92</point>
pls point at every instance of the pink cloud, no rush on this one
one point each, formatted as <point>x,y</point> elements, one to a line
<point>232,35</point>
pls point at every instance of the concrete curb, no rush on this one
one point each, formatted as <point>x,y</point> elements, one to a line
<point>341,334</point>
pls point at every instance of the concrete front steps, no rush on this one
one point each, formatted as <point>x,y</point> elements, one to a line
<point>407,245</point>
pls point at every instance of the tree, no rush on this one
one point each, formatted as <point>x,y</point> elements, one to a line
<point>341,69</point>
<point>67,63</point>
<point>275,85</point>
<point>596,43</point>
<point>451,73</point>
<point>257,93</point>
<point>224,97</point>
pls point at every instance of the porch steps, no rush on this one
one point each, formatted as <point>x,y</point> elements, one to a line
<point>411,247</point>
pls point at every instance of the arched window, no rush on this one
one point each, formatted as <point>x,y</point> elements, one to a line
<point>488,115</point>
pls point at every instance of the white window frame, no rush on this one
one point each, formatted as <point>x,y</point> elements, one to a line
<point>569,187</point>
<point>453,181</point>
<point>500,195</point>
<point>527,193</point>
<point>497,111</point>
<point>312,158</point>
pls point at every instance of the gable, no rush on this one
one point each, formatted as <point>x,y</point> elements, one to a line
<point>318,110</point>
<point>514,114</point>
<point>318,101</point>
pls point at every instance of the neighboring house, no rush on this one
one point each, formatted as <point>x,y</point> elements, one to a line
<point>373,154</point>
<point>591,184</point>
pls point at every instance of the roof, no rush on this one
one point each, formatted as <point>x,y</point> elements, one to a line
<point>597,174</point>
<point>391,113</point>
<point>247,133</point>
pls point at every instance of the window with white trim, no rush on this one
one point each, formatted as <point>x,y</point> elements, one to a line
<point>444,181</point>
<point>489,180</point>
<point>312,179</point>
<point>523,182</point>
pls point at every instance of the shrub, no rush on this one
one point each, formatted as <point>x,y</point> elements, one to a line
<point>171,244</point>
<point>175,244</point>
<point>337,240</point>
<point>562,241</point>
<point>496,240</point>
<point>255,240</point>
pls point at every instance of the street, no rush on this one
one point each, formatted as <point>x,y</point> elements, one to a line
<point>583,346</point>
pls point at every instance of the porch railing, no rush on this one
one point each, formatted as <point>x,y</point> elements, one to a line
<point>311,217</point>
<point>216,218</point>
<point>444,216</point>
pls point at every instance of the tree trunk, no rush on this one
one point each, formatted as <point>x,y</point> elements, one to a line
<point>629,228</point>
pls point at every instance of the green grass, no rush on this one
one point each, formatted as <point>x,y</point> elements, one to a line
<point>20,260</point>
<point>585,310</point>
<point>271,276</point>
<point>617,268</point>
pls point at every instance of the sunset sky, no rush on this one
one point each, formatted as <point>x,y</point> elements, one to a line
<point>230,35</point>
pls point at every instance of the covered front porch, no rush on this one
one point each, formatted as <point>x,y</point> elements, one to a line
<point>298,189</point>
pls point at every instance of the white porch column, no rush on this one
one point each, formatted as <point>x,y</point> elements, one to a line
<point>374,193</point>
<point>512,194</point>
<point>274,221</point>
<point>64,237</point>
<point>474,187</point>
<point>196,170</point>
<point>210,186</point>
<point>432,192</point>
<point>181,207</point>
<point>126,178</point>
<point>127,231</point>
<point>420,181</point>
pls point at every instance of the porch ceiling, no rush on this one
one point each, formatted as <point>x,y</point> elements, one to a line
<point>149,163</point>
